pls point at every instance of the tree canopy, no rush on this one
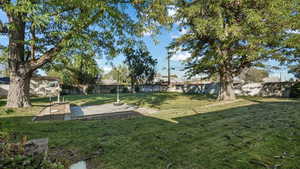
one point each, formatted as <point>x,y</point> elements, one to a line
<point>119,73</point>
<point>39,31</point>
<point>141,65</point>
<point>79,70</point>
<point>227,36</point>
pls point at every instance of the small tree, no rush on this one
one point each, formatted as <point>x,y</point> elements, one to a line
<point>79,70</point>
<point>119,73</point>
<point>141,66</point>
<point>227,36</point>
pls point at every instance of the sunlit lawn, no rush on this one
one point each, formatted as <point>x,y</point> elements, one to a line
<point>188,132</point>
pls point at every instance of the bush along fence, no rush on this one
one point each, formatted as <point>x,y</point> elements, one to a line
<point>276,89</point>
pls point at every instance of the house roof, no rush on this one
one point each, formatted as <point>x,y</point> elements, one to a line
<point>109,82</point>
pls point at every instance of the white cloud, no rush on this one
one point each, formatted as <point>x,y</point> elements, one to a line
<point>174,36</point>
<point>147,33</point>
<point>293,31</point>
<point>172,11</point>
<point>180,56</point>
<point>107,69</point>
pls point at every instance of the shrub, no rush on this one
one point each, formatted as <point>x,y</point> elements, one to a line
<point>113,90</point>
<point>295,91</point>
<point>125,90</point>
<point>90,89</point>
<point>14,156</point>
<point>137,88</point>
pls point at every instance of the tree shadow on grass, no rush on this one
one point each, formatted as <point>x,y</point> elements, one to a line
<point>139,99</point>
<point>88,100</point>
<point>153,100</point>
<point>201,96</point>
<point>239,137</point>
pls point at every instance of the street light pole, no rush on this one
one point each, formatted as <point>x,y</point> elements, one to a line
<point>118,87</point>
<point>169,72</point>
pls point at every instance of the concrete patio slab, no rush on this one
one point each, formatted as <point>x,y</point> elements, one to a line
<point>106,111</point>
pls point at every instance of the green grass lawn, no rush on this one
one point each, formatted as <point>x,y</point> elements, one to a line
<point>188,132</point>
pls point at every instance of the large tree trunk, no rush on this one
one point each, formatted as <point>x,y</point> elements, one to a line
<point>226,87</point>
<point>20,70</point>
<point>132,86</point>
<point>84,89</point>
<point>18,94</point>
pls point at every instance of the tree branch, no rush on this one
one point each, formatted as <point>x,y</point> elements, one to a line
<point>53,52</point>
<point>2,2</point>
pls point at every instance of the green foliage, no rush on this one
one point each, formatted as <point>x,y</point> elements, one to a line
<point>119,73</point>
<point>253,75</point>
<point>14,156</point>
<point>78,69</point>
<point>125,90</point>
<point>141,65</point>
<point>295,91</point>
<point>41,31</point>
<point>226,36</point>
<point>7,111</point>
<point>105,25</point>
<point>113,90</point>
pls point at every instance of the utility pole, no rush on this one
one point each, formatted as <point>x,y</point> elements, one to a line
<point>169,72</point>
<point>118,88</point>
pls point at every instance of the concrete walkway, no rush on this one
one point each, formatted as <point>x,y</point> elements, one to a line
<point>105,110</point>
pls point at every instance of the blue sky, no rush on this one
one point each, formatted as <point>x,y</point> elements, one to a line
<point>158,51</point>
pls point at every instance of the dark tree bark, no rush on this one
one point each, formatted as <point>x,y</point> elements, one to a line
<point>20,70</point>
<point>18,94</point>
<point>226,92</point>
<point>84,89</point>
<point>132,85</point>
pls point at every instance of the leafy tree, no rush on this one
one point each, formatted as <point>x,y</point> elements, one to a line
<point>227,36</point>
<point>141,66</point>
<point>120,73</point>
<point>80,70</point>
<point>254,75</point>
<point>39,30</point>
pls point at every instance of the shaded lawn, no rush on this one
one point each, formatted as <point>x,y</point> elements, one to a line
<point>248,133</point>
<point>161,101</point>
